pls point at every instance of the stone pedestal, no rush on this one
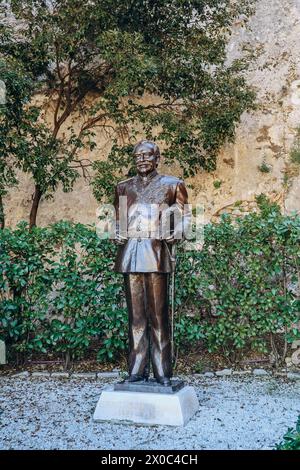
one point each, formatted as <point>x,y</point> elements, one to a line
<point>147,408</point>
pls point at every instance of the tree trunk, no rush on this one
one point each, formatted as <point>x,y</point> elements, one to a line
<point>2,216</point>
<point>35,205</point>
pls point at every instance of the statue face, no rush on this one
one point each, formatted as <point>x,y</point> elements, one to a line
<point>145,160</point>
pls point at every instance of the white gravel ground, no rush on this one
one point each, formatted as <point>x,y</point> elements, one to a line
<point>234,413</point>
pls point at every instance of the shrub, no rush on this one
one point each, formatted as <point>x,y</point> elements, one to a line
<point>291,439</point>
<point>243,283</point>
<point>59,292</point>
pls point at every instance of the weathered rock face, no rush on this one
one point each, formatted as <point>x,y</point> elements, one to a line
<point>259,160</point>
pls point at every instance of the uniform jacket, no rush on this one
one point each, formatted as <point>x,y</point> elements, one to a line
<point>149,200</point>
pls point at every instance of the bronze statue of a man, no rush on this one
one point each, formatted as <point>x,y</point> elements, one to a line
<point>144,257</point>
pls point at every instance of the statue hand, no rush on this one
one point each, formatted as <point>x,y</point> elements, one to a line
<point>120,240</point>
<point>171,240</point>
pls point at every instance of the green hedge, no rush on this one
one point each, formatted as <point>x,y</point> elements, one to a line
<point>243,286</point>
<point>59,294</point>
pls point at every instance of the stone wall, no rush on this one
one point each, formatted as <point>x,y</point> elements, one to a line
<point>264,137</point>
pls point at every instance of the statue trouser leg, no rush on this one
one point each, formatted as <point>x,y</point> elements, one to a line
<point>137,317</point>
<point>147,303</point>
<point>160,332</point>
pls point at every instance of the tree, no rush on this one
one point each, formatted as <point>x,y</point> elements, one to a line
<point>26,143</point>
<point>122,51</point>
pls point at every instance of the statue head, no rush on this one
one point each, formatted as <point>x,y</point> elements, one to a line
<point>146,155</point>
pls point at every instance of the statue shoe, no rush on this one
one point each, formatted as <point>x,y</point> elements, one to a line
<point>164,381</point>
<point>135,378</point>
